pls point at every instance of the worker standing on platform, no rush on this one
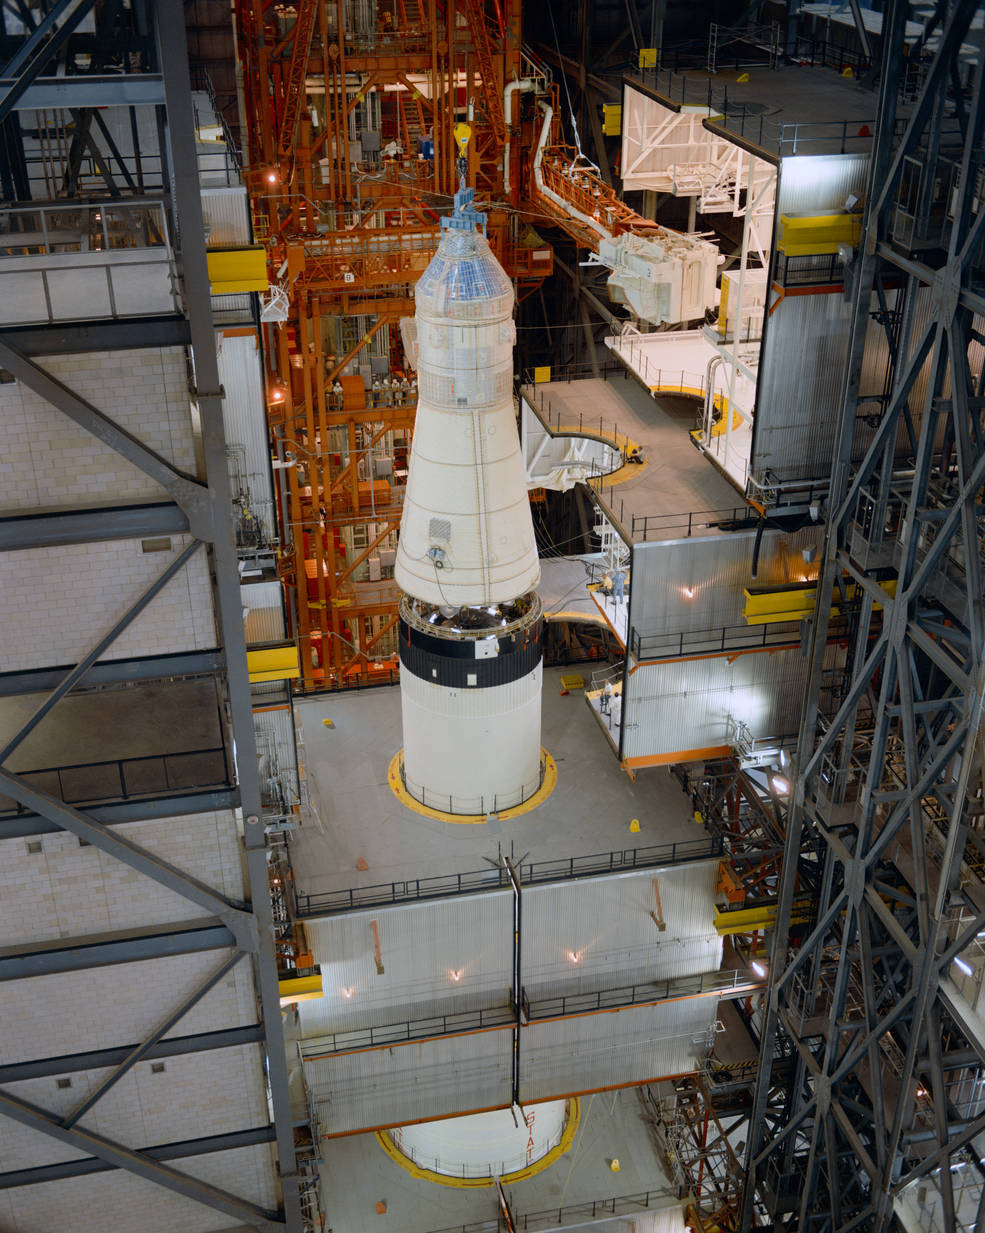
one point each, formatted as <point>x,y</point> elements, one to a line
<point>619,586</point>
<point>605,701</point>
<point>338,395</point>
<point>377,393</point>
<point>387,392</point>
<point>404,390</point>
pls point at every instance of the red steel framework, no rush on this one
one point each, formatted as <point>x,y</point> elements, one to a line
<point>349,225</point>
<point>351,157</point>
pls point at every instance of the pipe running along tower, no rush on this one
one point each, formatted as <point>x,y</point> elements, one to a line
<point>470,620</point>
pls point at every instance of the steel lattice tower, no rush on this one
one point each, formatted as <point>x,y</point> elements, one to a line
<point>878,999</point>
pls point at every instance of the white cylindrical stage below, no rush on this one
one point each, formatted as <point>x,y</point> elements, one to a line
<point>484,1144</point>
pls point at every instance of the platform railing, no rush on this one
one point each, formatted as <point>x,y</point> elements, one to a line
<point>712,641</point>
<point>693,522</point>
<point>531,873</point>
<point>571,1213</point>
<point>125,779</point>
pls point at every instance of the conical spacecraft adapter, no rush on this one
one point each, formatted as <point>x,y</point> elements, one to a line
<point>470,622</point>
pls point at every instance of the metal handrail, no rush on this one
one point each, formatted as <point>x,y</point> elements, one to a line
<point>694,522</point>
<point>410,1031</point>
<point>492,878</point>
<point>120,765</point>
<point>406,1032</point>
<point>710,641</point>
<point>636,995</point>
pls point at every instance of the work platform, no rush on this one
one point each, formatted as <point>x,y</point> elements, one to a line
<point>675,494</point>
<point>589,811</point>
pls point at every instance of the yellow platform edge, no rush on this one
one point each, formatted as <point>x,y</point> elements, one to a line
<point>395,780</point>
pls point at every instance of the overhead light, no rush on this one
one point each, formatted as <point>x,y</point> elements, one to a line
<point>574,956</point>
<point>272,177</point>
<point>456,975</point>
<point>922,1091</point>
<point>960,964</point>
<point>758,968</point>
<point>784,757</point>
<point>779,784</point>
<point>347,993</point>
<point>689,592</point>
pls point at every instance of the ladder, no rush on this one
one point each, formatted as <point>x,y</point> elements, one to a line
<point>304,28</point>
<point>482,45</point>
<point>712,47</point>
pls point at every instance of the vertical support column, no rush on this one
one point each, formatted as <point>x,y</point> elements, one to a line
<point>517,993</point>
<point>192,266</point>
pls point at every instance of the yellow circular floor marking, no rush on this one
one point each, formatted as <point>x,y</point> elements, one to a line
<point>474,1183</point>
<point>397,787</point>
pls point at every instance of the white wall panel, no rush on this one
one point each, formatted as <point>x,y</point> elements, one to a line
<point>72,1012</point>
<point>137,1205</point>
<point>47,460</point>
<point>670,708</point>
<point>794,437</point>
<point>67,891</point>
<point>145,1107</point>
<point>594,1051</point>
<point>56,602</point>
<point>360,1091</point>
<point>606,924</point>
<point>420,945</point>
<point>716,570</point>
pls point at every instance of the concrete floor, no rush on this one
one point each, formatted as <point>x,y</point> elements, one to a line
<point>676,479</point>
<point>356,1174</point>
<point>589,811</point>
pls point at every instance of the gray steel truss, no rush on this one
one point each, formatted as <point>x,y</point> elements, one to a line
<point>877,1001</point>
<point>198,505</point>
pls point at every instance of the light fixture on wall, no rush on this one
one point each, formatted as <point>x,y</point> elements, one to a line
<point>456,974</point>
<point>759,969</point>
<point>574,956</point>
<point>688,592</point>
<point>347,993</point>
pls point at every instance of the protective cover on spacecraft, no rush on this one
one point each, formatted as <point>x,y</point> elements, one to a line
<point>466,535</point>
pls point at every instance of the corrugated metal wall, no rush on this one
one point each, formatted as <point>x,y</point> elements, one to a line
<point>277,754</point>
<point>264,622</point>
<point>799,393</point>
<point>799,388</point>
<point>670,708</point>
<point>420,946</point>
<point>226,216</point>
<point>245,419</point>
<point>605,924</point>
<point>716,570</point>
<point>360,1091</point>
<point>820,183</point>
<point>594,1051</point>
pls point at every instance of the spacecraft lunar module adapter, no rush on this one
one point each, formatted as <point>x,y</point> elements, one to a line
<point>470,620</point>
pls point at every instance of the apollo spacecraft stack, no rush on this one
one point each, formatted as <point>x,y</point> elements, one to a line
<point>470,620</point>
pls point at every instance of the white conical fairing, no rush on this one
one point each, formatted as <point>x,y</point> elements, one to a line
<point>466,535</point>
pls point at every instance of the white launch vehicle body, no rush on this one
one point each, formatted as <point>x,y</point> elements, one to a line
<point>466,489</point>
<point>470,625</point>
